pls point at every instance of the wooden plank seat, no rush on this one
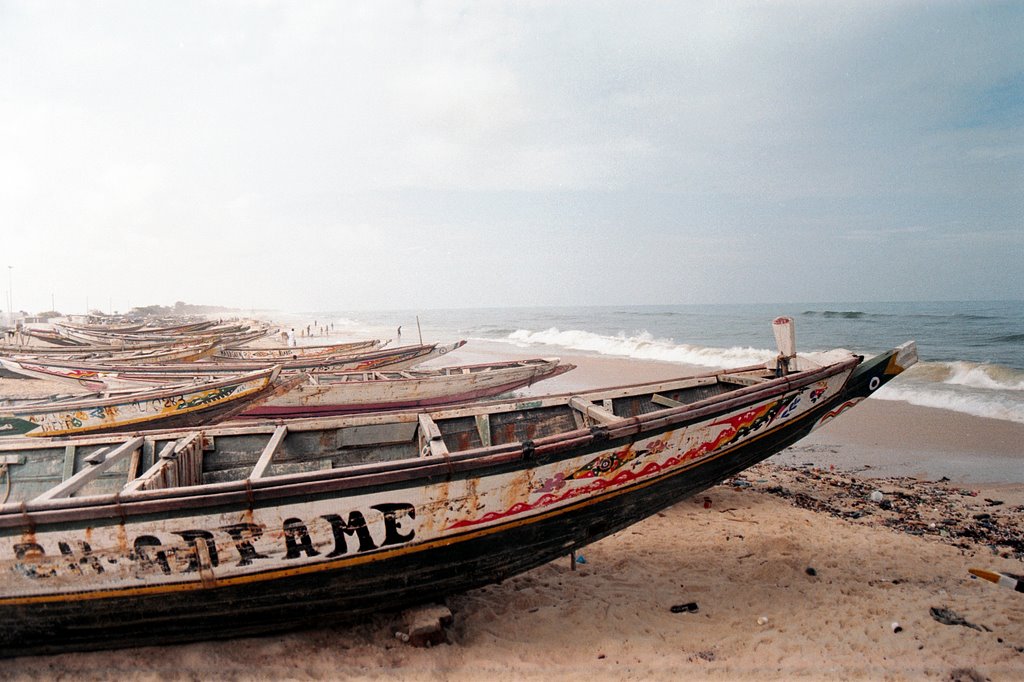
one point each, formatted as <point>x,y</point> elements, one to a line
<point>430,439</point>
<point>591,412</point>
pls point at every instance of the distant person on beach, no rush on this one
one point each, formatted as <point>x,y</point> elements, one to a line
<point>291,337</point>
<point>398,342</point>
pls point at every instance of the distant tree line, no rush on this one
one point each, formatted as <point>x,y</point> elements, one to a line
<point>178,309</point>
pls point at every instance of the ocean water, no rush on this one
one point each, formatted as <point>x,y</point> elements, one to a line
<point>972,353</point>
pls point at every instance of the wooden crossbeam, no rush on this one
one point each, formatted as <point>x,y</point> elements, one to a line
<point>69,462</point>
<point>430,435</point>
<point>741,379</point>
<point>592,411</point>
<point>268,452</point>
<point>103,461</point>
<point>483,427</point>
<point>665,401</point>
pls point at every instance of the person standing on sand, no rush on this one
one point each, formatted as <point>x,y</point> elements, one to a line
<point>291,337</point>
<point>398,342</point>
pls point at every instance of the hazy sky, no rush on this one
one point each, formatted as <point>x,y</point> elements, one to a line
<point>345,155</point>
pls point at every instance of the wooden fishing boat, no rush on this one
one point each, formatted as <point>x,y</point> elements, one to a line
<point>346,393</point>
<point>50,337</point>
<point>112,326</point>
<point>228,336</point>
<point>181,328</point>
<point>285,352</point>
<point>169,353</point>
<point>84,351</point>
<point>171,536</point>
<point>98,376</point>
<point>173,406</point>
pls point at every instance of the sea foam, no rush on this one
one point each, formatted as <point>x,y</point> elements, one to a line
<point>641,346</point>
<point>978,389</point>
<point>993,406</point>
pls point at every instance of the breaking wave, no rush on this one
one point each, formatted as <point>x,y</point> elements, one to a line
<point>972,375</point>
<point>981,390</point>
<point>641,346</point>
<point>989,406</point>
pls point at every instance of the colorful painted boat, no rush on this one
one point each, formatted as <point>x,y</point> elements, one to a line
<point>162,354</point>
<point>350,392</point>
<point>181,405</point>
<point>229,335</point>
<point>98,376</point>
<point>224,531</point>
<point>50,337</point>
<point>286,352</point>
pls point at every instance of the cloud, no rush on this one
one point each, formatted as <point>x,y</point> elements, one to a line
<point>385,154</point>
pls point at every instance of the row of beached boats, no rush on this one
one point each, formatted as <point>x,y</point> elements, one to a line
<point>245,527</point>
<point>133,390</point>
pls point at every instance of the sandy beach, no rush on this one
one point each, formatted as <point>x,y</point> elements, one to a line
<point>794,571</point>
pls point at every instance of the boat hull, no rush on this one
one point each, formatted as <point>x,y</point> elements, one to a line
<point>277,353</point>
<point>375,394</point>
<point>181,406</point>
<point>356,589</point>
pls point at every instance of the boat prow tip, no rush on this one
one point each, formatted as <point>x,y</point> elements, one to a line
<point>906,354</point>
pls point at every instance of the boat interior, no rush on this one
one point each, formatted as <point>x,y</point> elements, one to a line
<point>46,469</point>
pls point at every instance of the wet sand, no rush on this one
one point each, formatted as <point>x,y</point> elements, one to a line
<point>796,573</point>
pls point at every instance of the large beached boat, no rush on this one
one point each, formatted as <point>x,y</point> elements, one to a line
<point>170,536</point>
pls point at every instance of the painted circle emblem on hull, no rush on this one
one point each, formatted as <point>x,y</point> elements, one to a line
<point>874,383</point>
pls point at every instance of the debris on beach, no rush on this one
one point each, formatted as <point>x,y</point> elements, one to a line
<point>424,626</point>
<point>1010,580</point>
<point>951,617</point>
<point>936,509</point>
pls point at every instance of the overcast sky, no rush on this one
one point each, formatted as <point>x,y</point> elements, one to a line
<point>343,155</point>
